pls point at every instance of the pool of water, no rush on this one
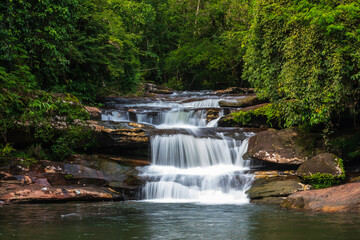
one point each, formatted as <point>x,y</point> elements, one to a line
<point>143,220</point>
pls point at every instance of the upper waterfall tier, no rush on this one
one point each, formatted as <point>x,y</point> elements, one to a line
<point>186,151</point>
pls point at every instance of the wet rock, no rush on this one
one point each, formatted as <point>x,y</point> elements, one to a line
<point>273,173</point>
<point>269,200</point>
<point>274,189</point>
<point>241,102</point>
<point>121,173</point>
<point>119,140</point>
<point>36,193</point>
<point>95,113</point>
<point>78,172</point>
<point>343,198</point>
<point>279,146</point>
<point>212,114</point>
<point>322,163</point>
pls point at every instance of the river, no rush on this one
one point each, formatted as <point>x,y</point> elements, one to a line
<point>142,220</point>
<point>195,187</point>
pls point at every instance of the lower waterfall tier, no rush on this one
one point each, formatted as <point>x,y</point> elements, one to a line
<point>218,184</point>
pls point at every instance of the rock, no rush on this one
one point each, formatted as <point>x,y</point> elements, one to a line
<point>269,200</point>
<point>120,172</point>
<point>279,146</point>
<point>322,163</point>
<point>36,193</point>
<point>95,113</point>
<point>119,140</point>
<point>152,88</point>
<point>274,189</point>
<point>79,172</point>
<point>235,90</point>
<point>241,102</point>
<point>355,179</point>
<point>273,173</point>
<point>256,120</point>
<point>343,198</point>
<point>211,114</point>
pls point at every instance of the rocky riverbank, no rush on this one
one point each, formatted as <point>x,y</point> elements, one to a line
<point>293,162</point>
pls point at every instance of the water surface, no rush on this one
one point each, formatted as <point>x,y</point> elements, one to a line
<point>141,220</point>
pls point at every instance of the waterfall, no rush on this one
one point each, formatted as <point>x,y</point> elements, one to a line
<point>191,161</point>
<point>190,169</point>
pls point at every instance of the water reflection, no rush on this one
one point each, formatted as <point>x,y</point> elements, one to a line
<point>137,220</point>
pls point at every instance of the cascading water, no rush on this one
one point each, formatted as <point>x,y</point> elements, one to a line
<point>190,161</point>
<point>189,169</point>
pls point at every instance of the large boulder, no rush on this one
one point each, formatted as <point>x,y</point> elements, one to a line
<point>325,163</point>
<point>241,102</point>
<point>280,147</point>
<point>343,198</point>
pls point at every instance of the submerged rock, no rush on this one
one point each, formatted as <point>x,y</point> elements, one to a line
<point>343,198</point>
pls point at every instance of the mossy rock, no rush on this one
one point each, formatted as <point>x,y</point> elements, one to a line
<point>252,116</point>
<point>322,171</point>
<point>241,102</point>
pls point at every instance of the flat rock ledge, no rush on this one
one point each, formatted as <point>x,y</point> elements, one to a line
<point>36,193</point>
<point>343,198</point>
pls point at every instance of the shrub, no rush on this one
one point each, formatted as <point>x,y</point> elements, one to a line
<point>269,112</point>
<point>325,180</point>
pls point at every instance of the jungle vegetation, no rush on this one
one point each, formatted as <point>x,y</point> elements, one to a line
<point>302,55</point>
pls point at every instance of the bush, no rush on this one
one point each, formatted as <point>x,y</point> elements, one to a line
<point>268,112</point>
<point>325,180</point>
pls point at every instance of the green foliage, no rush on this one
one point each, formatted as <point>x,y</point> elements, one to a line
<point>304,57</point>
<point>5,150</point>
<point>268,112</point>
<point>207,43</point>
<point>347,146</point>
<point>325,180</point>
<point>74,138</point>
<point>69,176</point>
<point>322,180</point>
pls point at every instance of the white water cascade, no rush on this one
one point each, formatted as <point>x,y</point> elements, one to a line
<point>189,169</point>
<point>191,160</point>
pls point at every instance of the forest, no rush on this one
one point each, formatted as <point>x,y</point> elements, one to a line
<point>303,56</point>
